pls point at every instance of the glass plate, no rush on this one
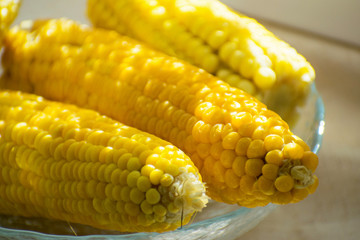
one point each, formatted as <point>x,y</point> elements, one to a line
<point>217,221</point>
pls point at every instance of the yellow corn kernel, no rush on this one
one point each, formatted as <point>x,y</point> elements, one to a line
<point>284,183</point>
<point>253,167</point>
<point>8,12</point>
<point>86,183</point>
<point>205,117</point>
<point>225,41</point>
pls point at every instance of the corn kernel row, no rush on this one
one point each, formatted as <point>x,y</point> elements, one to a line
<point>245,153</point>
<point>62,162</point>
<point>210,35</point>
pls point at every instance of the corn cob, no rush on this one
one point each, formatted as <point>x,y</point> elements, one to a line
<point>212,36</point>
<point>62,162</point>
<point>246,153</point>
<point>8,12</point>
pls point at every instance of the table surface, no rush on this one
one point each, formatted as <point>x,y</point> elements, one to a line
<point>333,211</point>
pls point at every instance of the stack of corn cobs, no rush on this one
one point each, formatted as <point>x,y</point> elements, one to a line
<point>140,119</point>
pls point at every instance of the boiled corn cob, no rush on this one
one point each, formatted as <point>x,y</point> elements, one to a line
<point>62,162</point>
<point>246,153</point>
<point>212,36</point>
<point>8,12</point>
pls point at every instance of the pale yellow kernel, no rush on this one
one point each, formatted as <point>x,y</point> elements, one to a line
<point>143,183</point>
<point>115,176</point>
<point>136,196</point>
<point>265,78</point>
<point>159,210</point>
<point>253,166</point>
<point>227,158</point>
<point>217,38</point>
<point>231,179</point>
<point>172,208</point>
<point>273,141</point>
<point>233,79</point>
<point>270,171</point>
<point>230,140</point>
<point>247,68</point>
<point>125,194</point>
<point>238,165</point>
<point>166,180</point>
<point>246,86</point>
<point>310,160</point>
<point>146,207</point>
<point>155,176</point>
<point>242,146</point>
<point>152,196</point>
<point>123,160</point>
<point>236,58</point>
<point>284,183</point>
<point>132,209</point>
<point>256,149</point>
<point>210,62</point>
<point>293,151</point>
<point>123,176</point>
<point>132,178</point>
<point>133,164</point>
<point>223,73</point>
<point>226,49</point>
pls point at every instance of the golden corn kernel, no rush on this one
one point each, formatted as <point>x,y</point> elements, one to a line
<point>284,183</point>
<point>310,160</point>
<point>231,179</point>
<point>246,183</point>
<point>293,151</point>
<point>253,167</point>
<point>274,157</point>
<point>270,171</point>
<point>227,158</point>
<point>238,165</point>
<point>266,186</point>
<point>155,176</point>
<point>256,149</point>
<point>230,140</point>
<point>272,142</point>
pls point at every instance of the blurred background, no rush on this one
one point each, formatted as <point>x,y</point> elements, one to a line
<point>327,33</point>
<point>335,19</point>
